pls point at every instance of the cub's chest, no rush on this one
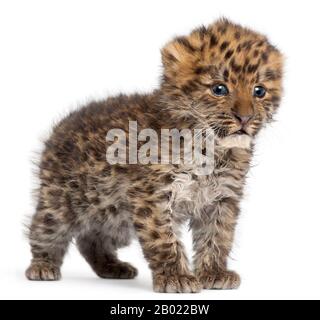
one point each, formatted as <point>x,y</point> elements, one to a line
<point>196,195</point>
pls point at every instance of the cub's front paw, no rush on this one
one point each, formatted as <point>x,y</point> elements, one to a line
<point>185,283</point>
<point>219,280</point>
<point>43,271</point>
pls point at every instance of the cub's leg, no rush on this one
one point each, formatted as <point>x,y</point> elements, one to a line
<point>162,249</point>
<point>99,250</point>
<point>49,237</point>
<point>212,242</point>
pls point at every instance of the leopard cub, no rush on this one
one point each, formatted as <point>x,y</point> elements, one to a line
<point>223,77</point>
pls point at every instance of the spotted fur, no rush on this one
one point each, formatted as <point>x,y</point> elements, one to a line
<point>103,206</point>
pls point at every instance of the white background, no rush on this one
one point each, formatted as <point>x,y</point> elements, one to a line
<point>55,55</point>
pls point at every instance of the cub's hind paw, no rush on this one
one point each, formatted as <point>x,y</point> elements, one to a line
<point>176,284</point>
<point>120,270</point>
<point>220,280</point>
<point>43,271</point>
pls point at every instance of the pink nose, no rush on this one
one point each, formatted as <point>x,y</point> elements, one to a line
<point>242,119</point>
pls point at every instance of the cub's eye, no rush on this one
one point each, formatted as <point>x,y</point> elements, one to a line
<point>259,91</point>
<point>220,90</point>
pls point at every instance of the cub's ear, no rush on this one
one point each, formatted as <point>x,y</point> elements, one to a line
<point>179,55</point>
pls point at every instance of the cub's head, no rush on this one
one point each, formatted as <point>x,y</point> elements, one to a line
<point>225,77</point>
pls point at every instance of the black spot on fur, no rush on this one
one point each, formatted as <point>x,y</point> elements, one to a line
<point>222,29</point>
<point>144,212</point>
<point>49,231</point>
<point>120,169</point>
<point>139,226</point>
<point>228,54</point>
<point>202,32</point>
<point>260,43</point>
<point>155,235</point>
<point>186,89</point>
<point>112,209</point>
<point>264,57</point>
<point>224,45</point>
<point>237,35</point>
<point>252,68</point>
<point>226,75</point>
<point>170,57</point>
<point>186,44</point>
<point>201,70</point>
<point>213,41</point>
<point>247,44</point>
<point>49,220</point>
<point>235,67</point>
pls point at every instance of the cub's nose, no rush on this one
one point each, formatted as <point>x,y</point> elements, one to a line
<point>242,119</point>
